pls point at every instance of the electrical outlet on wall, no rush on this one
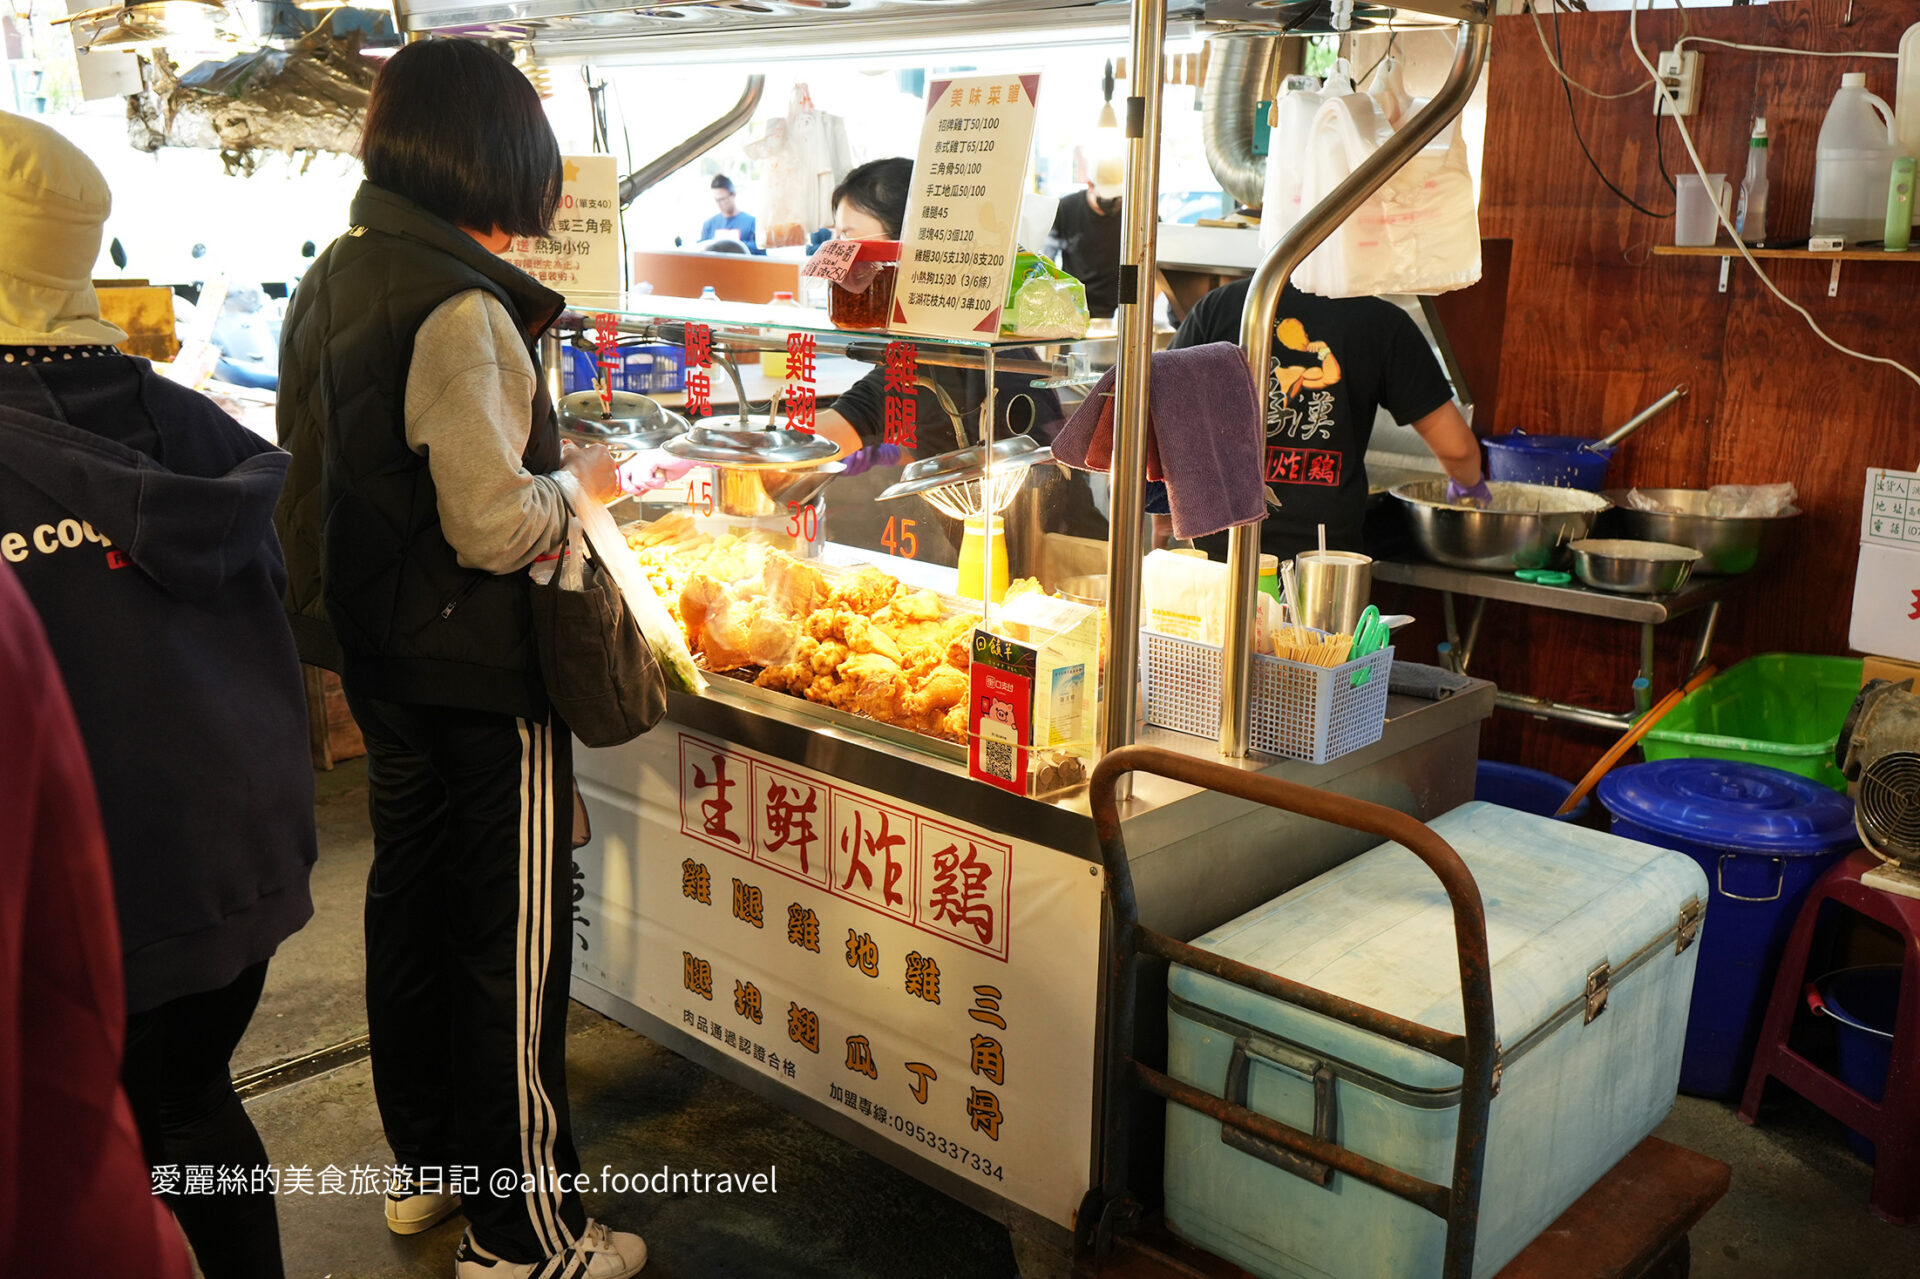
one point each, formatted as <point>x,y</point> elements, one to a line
<point>1681,72</point>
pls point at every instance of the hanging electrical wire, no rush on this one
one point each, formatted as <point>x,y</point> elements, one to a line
<point>1567,85</point>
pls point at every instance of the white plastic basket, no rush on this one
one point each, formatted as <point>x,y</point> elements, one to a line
<point>1311,713</point>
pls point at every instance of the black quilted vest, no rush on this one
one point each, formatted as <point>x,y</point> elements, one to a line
<point>374,590</point>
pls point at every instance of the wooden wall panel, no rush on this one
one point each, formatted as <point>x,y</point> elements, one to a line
<point>1598,326</point>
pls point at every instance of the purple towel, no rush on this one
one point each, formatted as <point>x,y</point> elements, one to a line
<point>1203,431</point>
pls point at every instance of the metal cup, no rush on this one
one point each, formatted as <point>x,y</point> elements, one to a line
<point>1334,587</point>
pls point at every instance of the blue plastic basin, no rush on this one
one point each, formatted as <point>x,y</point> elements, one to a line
<point>1763,836</point>
<point>1557,460</point>
<point>1864,1003</point>
<point>1527,789</point>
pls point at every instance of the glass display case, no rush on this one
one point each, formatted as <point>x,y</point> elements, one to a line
<point>847,527</point>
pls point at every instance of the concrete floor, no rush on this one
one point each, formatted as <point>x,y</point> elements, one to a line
<point>1797,1207</point>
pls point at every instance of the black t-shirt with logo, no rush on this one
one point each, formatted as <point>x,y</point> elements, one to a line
<point>1335,362</point>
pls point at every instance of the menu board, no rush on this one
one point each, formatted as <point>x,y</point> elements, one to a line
<point>963,212</point>
<point>581,252</point>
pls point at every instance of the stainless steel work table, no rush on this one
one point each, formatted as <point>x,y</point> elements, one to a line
<point>1702,594</point>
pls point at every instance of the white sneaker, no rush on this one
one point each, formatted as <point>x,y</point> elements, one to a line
<point>409,1211</point>
<point>608,1254</point>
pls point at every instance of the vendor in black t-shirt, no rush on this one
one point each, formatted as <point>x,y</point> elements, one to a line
<point>1335,361</point>
<point>1085,238</point>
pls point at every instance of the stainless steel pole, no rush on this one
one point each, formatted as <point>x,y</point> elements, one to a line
<point>1140,208</point>
<point>1256,338</point>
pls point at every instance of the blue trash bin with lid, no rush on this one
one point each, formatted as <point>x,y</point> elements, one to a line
<point>1763,836</point>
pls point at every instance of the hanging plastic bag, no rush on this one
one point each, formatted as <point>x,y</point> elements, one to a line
<point>1389,93</point>
<point>806,156</point>
<point>1044,302</point>
<point>1419,233</point>
<point>1287,143</point>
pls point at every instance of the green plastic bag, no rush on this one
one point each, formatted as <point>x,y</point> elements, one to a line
<point>1043,302</point>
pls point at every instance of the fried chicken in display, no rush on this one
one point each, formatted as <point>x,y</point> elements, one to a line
<point>866,644</point>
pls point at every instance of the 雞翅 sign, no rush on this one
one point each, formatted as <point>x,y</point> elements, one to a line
<point>963,211</point>
<point>581,252</point>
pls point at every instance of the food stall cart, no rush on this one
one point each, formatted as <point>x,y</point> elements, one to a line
<point>802,885</point>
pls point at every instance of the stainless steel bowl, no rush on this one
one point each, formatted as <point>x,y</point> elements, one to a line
<point>1728,544</point>
<point>1633,568</point>
<point>1500,540</point>
<point>761,492</point>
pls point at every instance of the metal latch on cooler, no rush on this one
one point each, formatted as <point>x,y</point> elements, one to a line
<point>1598,982</point>
<point>1689,925</point>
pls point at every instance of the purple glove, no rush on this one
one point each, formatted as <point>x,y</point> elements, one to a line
<point>653,469</point>
<point>868,458</point>
<point>1479,495</point>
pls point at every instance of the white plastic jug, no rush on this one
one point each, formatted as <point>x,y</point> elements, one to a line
<point>1854,164</point>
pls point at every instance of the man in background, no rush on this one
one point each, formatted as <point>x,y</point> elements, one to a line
<point>729,223</point>
<point>1085,239</point>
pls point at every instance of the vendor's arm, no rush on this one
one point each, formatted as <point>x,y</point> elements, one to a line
<point>469,411</point>
<point>836,428</point>
<point>1446,433</point>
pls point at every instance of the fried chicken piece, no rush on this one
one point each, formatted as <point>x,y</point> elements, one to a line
<point>933,696</point>
<point>700,596</point>
<point>856,632</point>
<point>874,686</point>
<point>771,636</point>
<point>1022,586</point>
<point>866,592</point>
<point>797,587</point>
<point>953,725</point>
<point>795,675</point>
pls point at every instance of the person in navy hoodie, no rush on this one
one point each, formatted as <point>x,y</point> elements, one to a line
<point>139,519</point>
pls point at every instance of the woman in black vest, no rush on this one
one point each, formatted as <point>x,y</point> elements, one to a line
<point>428,474</point>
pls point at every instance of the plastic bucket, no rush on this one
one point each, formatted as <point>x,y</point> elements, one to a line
<point>1864,1004</point>
<point>1557,460</point>
<point>1763,836</point>
<point>1527,789</point>
<point>1784,710</point>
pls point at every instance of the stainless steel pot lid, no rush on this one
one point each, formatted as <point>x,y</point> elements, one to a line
<point>716,446</point>
<point>1013,453</point>
<point>634,421</point>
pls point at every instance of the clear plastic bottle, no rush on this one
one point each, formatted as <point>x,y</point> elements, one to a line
<point>1752,223</point>
<point>774,363</point>
<point>1854,164</point>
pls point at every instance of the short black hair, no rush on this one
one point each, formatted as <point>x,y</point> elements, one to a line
<point>879,188</point>
<point>721,182</point>
<point>457,129</point>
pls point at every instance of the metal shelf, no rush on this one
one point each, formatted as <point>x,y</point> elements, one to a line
<point>1652,610</point>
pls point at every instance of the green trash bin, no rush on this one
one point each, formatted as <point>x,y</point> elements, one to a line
<point>1783,710</point>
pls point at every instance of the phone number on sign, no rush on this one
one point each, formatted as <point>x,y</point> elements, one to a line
<point>951,1149</point>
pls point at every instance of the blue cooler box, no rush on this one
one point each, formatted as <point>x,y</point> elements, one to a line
<point>1574,1096</point>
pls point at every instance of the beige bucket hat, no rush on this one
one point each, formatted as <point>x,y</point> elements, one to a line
<point>53,204</point>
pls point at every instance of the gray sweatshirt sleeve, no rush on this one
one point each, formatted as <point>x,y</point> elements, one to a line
<point>469,412</point>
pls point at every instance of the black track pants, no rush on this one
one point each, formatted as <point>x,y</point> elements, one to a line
<point>469,942</point>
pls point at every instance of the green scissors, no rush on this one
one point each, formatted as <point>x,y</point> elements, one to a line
<point>1370,635</point>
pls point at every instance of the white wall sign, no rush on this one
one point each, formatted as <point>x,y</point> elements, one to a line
<point>935,981</point>
<point>1886,587</point>
<point>963,213</point>
<point>582,254</point>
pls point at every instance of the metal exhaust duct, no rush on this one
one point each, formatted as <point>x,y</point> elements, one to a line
<point>1238,71</point>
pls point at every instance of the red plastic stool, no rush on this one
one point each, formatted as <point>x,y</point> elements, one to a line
<point>1894,1124</point>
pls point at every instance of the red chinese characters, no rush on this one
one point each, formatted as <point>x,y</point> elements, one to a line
<point>1303,466</point>
<point>801,398</point>
<point>699,378</point>
<point>872,854</point>
<point>712,799</point>
<point>964,888</point>
<point>791,817</point>
<point>902,391</point>
<point>936,876</point>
